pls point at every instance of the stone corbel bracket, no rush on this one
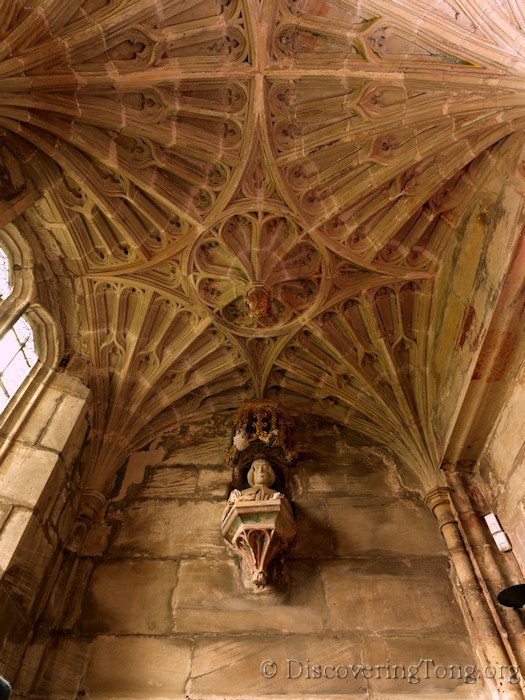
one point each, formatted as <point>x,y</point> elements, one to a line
<point>259,531</point>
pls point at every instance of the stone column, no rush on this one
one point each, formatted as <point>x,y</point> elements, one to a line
<point>490,644</point>
<point>498,570</point>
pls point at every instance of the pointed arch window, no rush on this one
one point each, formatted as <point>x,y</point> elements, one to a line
<point>17,345</point>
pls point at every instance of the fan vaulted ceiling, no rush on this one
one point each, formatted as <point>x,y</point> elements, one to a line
<point>318,200</point>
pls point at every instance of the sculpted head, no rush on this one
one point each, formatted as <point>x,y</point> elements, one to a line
<point>261,473</point>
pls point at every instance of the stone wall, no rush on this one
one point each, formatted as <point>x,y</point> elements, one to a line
<point>502,469</point>
<point>36,506</point>
<point>164,613</point>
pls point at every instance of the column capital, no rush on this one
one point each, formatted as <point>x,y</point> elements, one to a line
<point>437,496</point>
<point>438,501</point>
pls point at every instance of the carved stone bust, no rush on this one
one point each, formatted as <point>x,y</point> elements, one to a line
<point>260,477</point>
<point>258,521</point>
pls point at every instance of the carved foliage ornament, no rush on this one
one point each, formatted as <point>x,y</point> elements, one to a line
<point>261,424</point>
<point>257,273</point>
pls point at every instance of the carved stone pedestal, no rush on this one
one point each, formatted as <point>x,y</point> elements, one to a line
<point>258,531</point>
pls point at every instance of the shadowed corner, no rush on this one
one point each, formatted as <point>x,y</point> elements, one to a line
<point>5,689</point>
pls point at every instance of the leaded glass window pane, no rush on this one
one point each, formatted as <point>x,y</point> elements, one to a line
<point>5,276</point>
<point>17,356</point>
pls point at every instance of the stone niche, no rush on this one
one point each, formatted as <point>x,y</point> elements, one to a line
<point>164,612</point>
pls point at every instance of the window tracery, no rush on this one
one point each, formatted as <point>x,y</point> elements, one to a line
<point>17,357</point>
<point>18,354</point>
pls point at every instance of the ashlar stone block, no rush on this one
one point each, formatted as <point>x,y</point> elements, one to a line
<point>62,670</point>
<point>28,565</point>
<point>366,526</point>
<point>390,597</point>
<point>10,535</point>
<point>251,666</point>
<point>129,596</point>
<point>169,482</point>
<point>24,473</point>
<point>210,597</point>
<point>62,422</point>
<point>138,667</point>
<point>41,411</point>
<point>161,528</point>
<point>436,666</point>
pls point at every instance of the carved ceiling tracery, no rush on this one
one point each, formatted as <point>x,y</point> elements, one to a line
<point>294,197</point>
<point>258,274</point>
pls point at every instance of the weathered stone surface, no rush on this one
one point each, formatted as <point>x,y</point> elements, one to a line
<point>315,535</point>
<point>233,667</point>
<point>70,614</point>
<point>5,509</point>
<point>136,467</point>
<point>40,416</point>
<point>206,451</point>
<point>28,670</point>
<point>432,664</point>
<point>356,476</point>
<point>398,527</point>
<point>64,418</point>
<point>315,438</point>
<point>129,597</point>
<point>514,524</point>
<point>60,509</point>
<point>379,597</point>
<point>213,482</point>
<point>75,442</point>
<point>28,564</point>
<point>138,667</point>
<point>62,673</point>
<point>504,450</point>
<point>52,497</point>
<point>10,535</point>
<point>24,473</point>
<point>169,482</point>
<point>210,597</point>
<point>170,528</point>
<point>16,631</point>
<point>70,382</point>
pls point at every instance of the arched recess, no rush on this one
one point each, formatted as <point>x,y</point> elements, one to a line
<point>159,581</point>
